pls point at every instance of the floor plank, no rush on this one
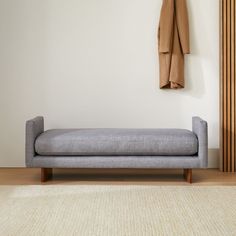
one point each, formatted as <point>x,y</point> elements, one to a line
<point>31,176</point>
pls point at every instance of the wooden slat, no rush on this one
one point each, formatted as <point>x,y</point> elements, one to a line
<point>228,86</point>
<point>233,84</point>
<point>221,85</point>
<point>224,84</point>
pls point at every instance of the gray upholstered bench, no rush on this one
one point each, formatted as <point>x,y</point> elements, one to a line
<point>116,148</point>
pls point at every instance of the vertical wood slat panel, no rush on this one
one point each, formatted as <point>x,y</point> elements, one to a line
<point>227,84</point>
<point>224,84</point>
<point>221,83</point>
<point>233,85</point>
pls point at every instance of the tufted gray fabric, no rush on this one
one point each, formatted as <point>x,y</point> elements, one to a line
<point>113,142</point>
<point>34,128</point>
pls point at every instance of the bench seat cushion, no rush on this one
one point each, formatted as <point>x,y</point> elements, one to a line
<point>116,142</point>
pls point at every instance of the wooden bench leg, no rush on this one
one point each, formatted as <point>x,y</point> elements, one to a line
<point>46,174</point>
<point>188,175</point>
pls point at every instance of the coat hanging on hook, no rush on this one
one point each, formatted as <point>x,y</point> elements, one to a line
<point>173,43</point>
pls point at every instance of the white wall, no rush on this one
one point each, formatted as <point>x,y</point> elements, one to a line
<point>89,63</point>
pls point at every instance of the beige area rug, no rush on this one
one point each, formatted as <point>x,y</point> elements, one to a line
<point>117,210</point>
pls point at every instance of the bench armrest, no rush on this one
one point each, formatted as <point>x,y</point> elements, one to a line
<point>34,128</point>
<point>199,127</point>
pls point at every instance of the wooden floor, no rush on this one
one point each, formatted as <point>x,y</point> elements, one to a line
<point>24,176</point>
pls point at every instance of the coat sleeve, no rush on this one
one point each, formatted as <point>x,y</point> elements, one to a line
<point>165,32</point>
<point>183,24</point>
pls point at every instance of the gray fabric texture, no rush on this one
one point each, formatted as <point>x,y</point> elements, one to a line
<point>116,142</point>
<point>136,162</point>
<point>35,127</point>
<point>200,128</point>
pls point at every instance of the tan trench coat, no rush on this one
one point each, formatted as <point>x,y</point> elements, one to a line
<point>173,43</point>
